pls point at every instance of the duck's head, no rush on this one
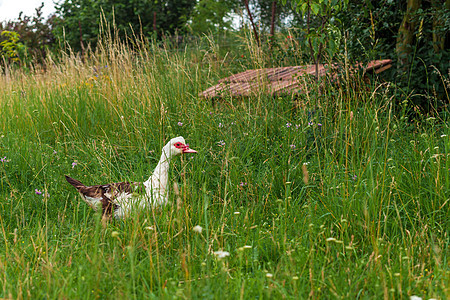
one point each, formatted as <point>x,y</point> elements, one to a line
<point>177,146</point>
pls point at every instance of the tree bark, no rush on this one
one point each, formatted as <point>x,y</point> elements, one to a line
<point>272,21</point>
<point>405,37</point>
<point>438,34</point>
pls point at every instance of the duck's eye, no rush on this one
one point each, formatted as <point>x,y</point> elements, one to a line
<point>178,145</point>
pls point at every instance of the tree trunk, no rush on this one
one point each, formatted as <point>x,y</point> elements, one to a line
<point>405,37</point>
<point>447,34</point>
<point>81,41</point>
<point>255,31</point>
<point>438,34</point>
<point>272,21</point>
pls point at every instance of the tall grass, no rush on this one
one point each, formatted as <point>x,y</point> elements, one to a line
<point>338,197</point>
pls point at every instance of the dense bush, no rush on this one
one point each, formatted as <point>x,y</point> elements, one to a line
<point>35,33</point>
<point>371,30</point>
<point>81,21</point>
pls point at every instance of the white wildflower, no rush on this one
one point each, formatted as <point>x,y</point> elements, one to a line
<point>197,229</point>
<point>221,254</point>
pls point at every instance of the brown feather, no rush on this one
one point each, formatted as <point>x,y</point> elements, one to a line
<point>107,192</point>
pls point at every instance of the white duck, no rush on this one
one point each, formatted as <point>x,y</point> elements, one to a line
<point>121,198</point>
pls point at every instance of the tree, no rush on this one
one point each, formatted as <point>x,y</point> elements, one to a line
<point>440,32</point>
<point>406,32</point>
<point>320,30</point>
<point>211,16</point>
<point>11,48</point>
<point>34,32</point>
<point>411,28</point>
<point>268,14</point>
<point>80,20</point>
<point>414,34</point>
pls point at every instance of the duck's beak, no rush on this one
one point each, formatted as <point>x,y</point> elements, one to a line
<point>186,149</point>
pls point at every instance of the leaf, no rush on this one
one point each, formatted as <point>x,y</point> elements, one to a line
<point>331,46</point>
<point>302,8</point>
<point>315,8</point>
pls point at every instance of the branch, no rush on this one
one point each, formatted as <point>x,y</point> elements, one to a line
<point>255,32</point>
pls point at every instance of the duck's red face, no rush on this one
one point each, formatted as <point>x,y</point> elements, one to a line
<point>184,148</point>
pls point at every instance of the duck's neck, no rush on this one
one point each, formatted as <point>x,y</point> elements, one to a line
<point>156,185</point>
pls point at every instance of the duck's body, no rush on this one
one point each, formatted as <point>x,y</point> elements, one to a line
<point>120,199</point>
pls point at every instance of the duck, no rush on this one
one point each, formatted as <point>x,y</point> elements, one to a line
<point>120,199</point>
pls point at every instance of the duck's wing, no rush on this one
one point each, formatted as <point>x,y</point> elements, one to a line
<point>118,193</point>
<point>108,196</point>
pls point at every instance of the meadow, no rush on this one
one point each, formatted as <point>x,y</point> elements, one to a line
<point>341,194</point>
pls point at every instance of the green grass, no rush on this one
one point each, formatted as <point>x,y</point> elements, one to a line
<point>357,209</point>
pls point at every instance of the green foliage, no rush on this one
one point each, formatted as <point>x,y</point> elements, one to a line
<point>371,29</point>
<point>35,34</point>
<point>11,48</point>
<point>85,20</point>
<point>211,16</point>
<point>320,33</point>
<point>262,10</point>
<point>319,7</point>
